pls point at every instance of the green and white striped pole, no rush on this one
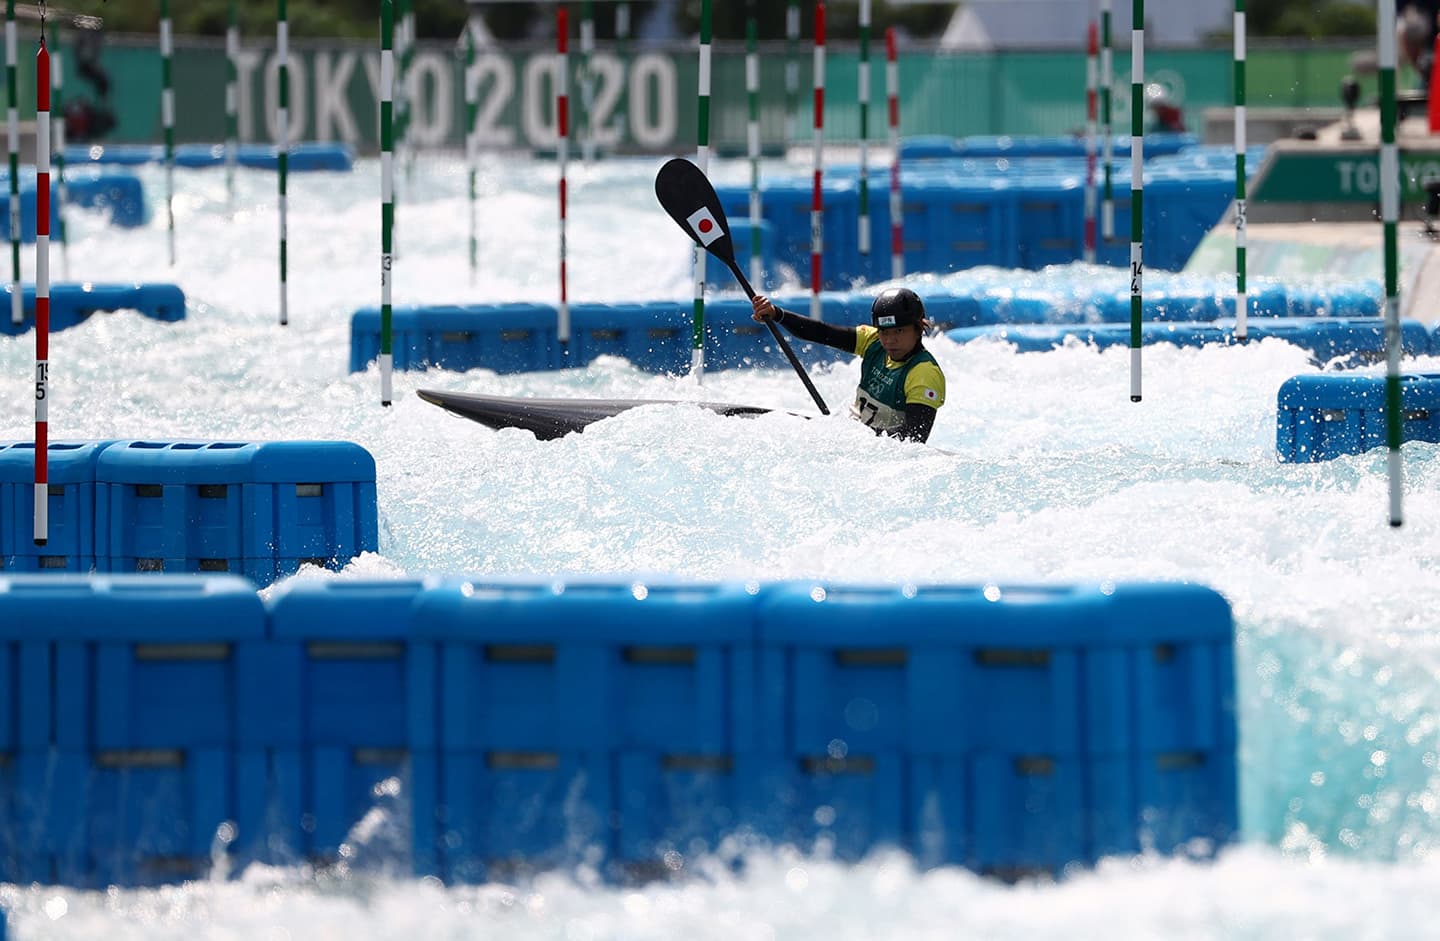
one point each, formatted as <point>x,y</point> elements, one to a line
<point>17,308</point>
<point>1107,142</point>
<point>702,159</point>
<point>1137,187</point>
<point>167,121</point>
<point>472,144</point>
<point>232,99</point>
<point>1242,303</point>
<point>864,78</point>
<point>752,139</point>
<point>387,187</point>
<point>282,143</point>
<point>1390,217</point>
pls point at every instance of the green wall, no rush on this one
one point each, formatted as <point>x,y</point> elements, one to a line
<point>649,97</point>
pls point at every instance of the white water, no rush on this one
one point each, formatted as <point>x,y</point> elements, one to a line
<point>1058,477</point>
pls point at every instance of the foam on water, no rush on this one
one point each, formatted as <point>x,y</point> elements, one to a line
<point>1055,477</point>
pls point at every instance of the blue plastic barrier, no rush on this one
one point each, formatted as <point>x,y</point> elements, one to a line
<point>787,204</point>
<point>506,338</point>
<point>525,723</point>
<point>597,714</point>
<point>988,726</point>
<point>120,194</point>
<point>653,336</point>
<point>352,707</point>
<point>131,695</point>
<point>1342,341</point>
<point>71,502</point>
<point>257,509</point>
<point>733,339</point>
<point>1181,207</point>
<point>301,157</point>
<point>1321,417</point>
<point>72,303</point>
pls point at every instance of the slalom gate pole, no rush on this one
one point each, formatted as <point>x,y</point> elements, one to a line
<point>42,289</point>
<point>1390,217</point>
<point>1242,303</point>
<point>702,160</point>
<point>752,140</point>
<point>897,206</point>
<point>17,301</point>
<point>817,205</point>
<point>1091,78</point>
<point>562,128</point>
<point>232,99</point>
<point>863,71</point>
<point>282,146</point>
<point>167,121</point>
<point>387,190</point>
<point>1137,189</point>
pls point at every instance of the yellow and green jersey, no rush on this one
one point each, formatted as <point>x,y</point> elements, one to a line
<point>886,386</point>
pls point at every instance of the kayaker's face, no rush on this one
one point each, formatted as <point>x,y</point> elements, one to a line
<point>899,342</point>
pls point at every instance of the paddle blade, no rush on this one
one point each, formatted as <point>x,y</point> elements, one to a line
<point>691,201</point>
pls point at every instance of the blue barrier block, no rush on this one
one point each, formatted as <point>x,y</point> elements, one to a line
<point>653,336</point>
<point>571,715</point>
<point>733,338</point>
<point>946,311</point>
<point>258,509</point>
<point>72,303</point>
<point>128,759</point>
<point>787,205</point>
<point>1323,416</point>
<point>1180,208</point>
<point>983,724</point>
<point>506,338</point>
<point>1049,220</point>
<point>951,224</point>
<point>71,507</point>
<point>1342,340</point>
<point>119,194</point>
<point>352,708</point>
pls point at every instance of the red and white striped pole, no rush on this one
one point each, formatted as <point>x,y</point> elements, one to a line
<point>817,210</point>
<point>562,128</point>
<point>42,291</point>
<point>1092,55</point>
<point>897,207</point>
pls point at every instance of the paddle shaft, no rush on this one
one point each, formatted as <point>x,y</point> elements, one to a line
<point>779,338</point>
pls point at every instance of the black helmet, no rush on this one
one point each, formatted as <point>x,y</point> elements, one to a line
<point>897,307</point>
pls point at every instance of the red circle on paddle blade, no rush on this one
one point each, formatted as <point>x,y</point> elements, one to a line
<point>706,225</point>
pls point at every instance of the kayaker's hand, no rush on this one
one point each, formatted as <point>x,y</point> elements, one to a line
<point>764,310</point>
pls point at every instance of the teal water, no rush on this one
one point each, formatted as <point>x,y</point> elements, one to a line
<point>1055,477</point>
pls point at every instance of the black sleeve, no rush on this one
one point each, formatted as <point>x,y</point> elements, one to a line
<point>815,331</point>
<point>919,419</point>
